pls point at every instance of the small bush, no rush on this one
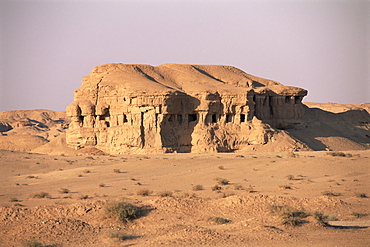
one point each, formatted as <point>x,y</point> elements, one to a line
<point>87,171</point>
<point>198,187</point>
<point>118,236</point>
<point>238,187</point>
<point>41,195</point>
<point>290,177</point>
<point>116,170</point>
<point>222,181</point>
<point>221,167</point>
<point>122,210</point>
<point>216,188</point>
<point>144,192</point>
<point>339,154</point>
<point>219,220</point>
<point>358,215</point>
<point>321,218</point>
<point>164,193</point>
<point>32,243</point>
<point>13,199</point>
<point>64,191</point>
<point>361,195</point>
<point>83,197</point>
<point>330,193</point>
<point>285,187</point>
<point>102,185</point>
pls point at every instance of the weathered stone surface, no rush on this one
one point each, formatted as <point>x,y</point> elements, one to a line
<point>125,108</point>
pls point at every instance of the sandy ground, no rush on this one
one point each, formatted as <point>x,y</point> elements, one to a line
<point>261,187</point>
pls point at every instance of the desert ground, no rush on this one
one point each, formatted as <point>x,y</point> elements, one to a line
<point>247,198</point>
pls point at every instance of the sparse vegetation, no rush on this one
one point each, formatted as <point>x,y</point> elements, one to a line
<point>219,220</point>
<point>250,189</point>
<point>87,171</point>
<point>285,187</point>
<point>116,170</point>
<point>64,191</point>
<point>102,185</point>
<point>290,177</point>
<point>165,193</point>
<point>31,176</point>
<point>198,187</point>
<point>122,210</point>
<point>216,187</point>
<point>294,218</point>
<point>13,199</point>
<point>321,218</point>
<point>83,197</point>
<point>339,154</point>
<point>144,192</point>
<point>330,193</point>
<point>118,236</point>
<point>358,215</point>
<point>238,187</point>
<point>32,243</point>
<point>222,181</point>
<point>361,195</point>
<point>41,195</point>
<point>221,167</point>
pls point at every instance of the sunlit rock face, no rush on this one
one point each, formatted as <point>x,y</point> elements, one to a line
<point>127,108</point>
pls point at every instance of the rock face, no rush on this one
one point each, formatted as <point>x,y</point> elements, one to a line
<point>125,108</point>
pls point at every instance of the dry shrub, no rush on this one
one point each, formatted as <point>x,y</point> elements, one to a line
<point>361,195</point>
<point>41,195</point>
<point>285,187</point>
<point>165,193</point>
<point>122,210</point>
<point>116,170</point>
<point>219,220</point>
<point>216,188</point>
<point>144,192</point>
<point>222,181</point>
<point>238,187</point>
<point>330,193</point>
<point>321,218</point>
<point>64,191</point>
<point>198,187</point>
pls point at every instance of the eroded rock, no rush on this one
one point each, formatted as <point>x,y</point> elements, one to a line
<point>125,108</point>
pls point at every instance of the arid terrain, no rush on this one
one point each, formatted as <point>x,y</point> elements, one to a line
<point>56,196</point>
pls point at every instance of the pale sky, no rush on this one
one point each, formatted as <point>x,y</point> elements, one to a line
<point>47,46</point>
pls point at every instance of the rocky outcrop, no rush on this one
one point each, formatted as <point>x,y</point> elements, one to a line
<point>178,108</point>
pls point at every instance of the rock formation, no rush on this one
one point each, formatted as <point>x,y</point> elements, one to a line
<point>125,108</point>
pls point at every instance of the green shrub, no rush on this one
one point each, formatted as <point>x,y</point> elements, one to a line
<point>122,210</point>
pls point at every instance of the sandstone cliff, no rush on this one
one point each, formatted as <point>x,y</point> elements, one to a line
<point>124,108</point>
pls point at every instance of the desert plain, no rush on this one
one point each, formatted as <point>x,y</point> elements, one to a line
<point>263,197</point>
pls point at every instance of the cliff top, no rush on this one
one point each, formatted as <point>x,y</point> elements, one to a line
<point>187,78</point>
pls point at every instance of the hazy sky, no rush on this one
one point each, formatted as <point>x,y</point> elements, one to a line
<point>47,46</point>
